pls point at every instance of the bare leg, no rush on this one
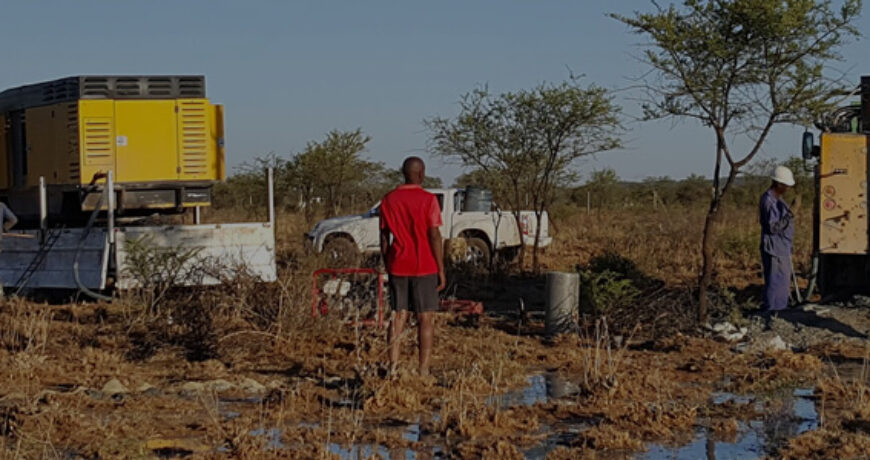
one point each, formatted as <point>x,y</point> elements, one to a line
<point>425,335</point>
<point>397,326</point>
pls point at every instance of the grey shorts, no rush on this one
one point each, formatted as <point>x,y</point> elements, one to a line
<point>414,293</point>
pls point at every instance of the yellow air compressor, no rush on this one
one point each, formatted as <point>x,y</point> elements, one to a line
<point>160,136</point>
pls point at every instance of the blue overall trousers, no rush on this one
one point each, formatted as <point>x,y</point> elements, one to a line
<point>777,236</point>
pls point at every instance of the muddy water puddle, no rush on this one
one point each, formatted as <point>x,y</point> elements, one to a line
<point>794,413</point>
<point>763,425</point>
<point>540,388</point>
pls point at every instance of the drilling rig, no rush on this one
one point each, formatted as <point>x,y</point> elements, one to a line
<point>841,236</point>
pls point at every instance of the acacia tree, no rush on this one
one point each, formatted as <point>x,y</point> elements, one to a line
<point>740,67</point>
<point>330,167</point>
<point>530,139</point>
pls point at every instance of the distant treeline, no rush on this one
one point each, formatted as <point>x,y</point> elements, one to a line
<point>330,177</point>
<point>319,187</point>
<point>605,190</point>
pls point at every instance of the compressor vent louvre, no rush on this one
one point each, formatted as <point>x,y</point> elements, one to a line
<point>193,138</point>
<point>98,141</point>
<point>72,148</point>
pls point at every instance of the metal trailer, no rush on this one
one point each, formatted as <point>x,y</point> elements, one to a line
<point>94,259</point>
<point>841,236</point>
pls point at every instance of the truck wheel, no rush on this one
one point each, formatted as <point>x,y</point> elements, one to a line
<point>477,253</point>
<point>341,252</point>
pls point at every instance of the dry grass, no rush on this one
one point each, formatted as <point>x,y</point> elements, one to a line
<point>323,380</point>
<point>665,244</point>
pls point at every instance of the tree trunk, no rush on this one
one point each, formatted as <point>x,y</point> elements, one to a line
<point>707,261</point>
<point>522,254</point>
<point>516,212</point>
<point>538,219</point>
<point>709,230</point>
<point>707,245</point>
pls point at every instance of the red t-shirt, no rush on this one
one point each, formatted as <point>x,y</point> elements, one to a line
<point>409,212</point>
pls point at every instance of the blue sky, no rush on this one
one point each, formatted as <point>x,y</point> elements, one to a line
<point>288,72</point>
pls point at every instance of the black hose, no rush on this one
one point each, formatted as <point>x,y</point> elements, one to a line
<point>82,288</point>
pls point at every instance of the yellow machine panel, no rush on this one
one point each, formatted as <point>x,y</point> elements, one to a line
<point>4,155</point>
<point>151,140</point>
<point>843,194</point>
<point>145,142</point>
<point>67,143</point>
<point>41,157</point>
<point>217,132</point>
<point>195,149</point>
<point>51,139</point>
<point>97,134</point>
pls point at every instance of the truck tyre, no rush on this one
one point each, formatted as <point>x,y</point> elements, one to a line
<point>477,253</point>
<point>341,252</point>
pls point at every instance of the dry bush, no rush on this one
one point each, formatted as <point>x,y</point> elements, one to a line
<point>665,244</point>
<point>601,363</point>
<point>24,326</point>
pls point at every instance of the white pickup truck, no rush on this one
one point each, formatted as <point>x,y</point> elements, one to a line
<point>487,233</point>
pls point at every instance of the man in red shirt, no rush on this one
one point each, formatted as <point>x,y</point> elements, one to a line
<point>414,259</point>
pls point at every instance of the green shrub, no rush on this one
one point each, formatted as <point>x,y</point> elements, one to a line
<point>601,292</point>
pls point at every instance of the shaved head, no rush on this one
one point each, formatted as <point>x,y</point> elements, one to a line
<point>414,170</point>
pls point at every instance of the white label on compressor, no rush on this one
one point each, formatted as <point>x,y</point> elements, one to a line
<point>121,141</point>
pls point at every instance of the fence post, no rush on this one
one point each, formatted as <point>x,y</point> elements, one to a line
<point>43,210</point>
<point>270,184</point>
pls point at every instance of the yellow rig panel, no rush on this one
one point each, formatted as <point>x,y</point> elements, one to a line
<point>843,194</point>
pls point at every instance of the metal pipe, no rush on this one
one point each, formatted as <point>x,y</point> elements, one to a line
<point>814,273</point>
<point>197,215</point>
<point>43,210</point>
<point>797,289</point>
<point>270,184</point>
<point>110,205</point>
<point>563,303</point>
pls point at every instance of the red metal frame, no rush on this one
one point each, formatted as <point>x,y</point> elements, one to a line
<point>462,307</point>
<point>321,309</point>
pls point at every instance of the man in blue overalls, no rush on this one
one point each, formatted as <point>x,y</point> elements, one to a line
<point>777,235</point>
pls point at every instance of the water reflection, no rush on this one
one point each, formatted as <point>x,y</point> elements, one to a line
<point>757,438</point>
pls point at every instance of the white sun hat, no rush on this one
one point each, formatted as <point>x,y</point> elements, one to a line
<point>783,175</point>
